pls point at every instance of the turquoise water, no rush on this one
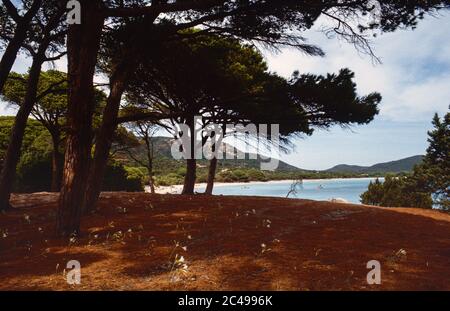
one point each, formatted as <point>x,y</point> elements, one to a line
<point>324,189</point>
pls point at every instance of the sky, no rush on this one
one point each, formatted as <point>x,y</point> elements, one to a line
<point>414,80</point>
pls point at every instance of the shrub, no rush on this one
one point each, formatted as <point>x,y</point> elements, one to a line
<point>117,178</point>
<point>169,179</point>
<point>396,192</point>
<point>34,173</point>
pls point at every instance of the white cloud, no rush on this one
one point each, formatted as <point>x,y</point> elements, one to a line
<point>413,79</point>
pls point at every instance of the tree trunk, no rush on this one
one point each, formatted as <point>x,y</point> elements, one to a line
<point>191,164</point>
<point>151,181</point>
<point>20,34</point>
<point>190,177</point>
<point>12,157</point>
<point>211,176</point>
<point>57,159</point>
<point>105,136</point>
<point>83,43</point>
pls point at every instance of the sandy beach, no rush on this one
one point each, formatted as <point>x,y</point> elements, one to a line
<point>176,189</point>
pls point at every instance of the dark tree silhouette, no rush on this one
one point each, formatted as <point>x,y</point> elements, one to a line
<point>47,37</point>
<point>231,85</point>
<point>225,72</point>
<point>50,109</point>
<point>269,22</point>
<point>14,29</point>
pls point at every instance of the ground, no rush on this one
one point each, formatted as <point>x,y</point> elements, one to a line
<point>135,242</point>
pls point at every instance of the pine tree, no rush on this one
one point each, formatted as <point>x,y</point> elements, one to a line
<point>436,164</point>
<point>429,183</point>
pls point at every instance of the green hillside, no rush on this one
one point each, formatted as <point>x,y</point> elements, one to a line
<point>399,166</point>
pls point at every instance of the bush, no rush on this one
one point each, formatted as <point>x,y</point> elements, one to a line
<point>169,179</point>
<point>34,173</point>
<point>241,175</point>
<point>225,176</point>
<point>397,192</point>
<point>117,178</point>
<point>257,175</point>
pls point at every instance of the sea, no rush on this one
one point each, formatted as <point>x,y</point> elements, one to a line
<point>347,189</point>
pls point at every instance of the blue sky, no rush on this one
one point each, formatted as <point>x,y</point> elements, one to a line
<point>414,79</point>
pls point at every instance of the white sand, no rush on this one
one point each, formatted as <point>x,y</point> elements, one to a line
<point>175,189</point>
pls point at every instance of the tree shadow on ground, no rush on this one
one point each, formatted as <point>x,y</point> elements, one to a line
<point>233,243</point>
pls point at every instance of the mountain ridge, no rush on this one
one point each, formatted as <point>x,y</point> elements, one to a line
<point>396,166</point>
<point>162,147</point>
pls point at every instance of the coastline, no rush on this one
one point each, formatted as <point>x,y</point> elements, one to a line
<point>176,189</point>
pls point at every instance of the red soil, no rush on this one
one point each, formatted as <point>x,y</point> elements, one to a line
<point>309,245</point>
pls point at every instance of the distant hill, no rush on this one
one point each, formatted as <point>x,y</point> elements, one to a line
<point>402,165</point>
<point>165,162</point>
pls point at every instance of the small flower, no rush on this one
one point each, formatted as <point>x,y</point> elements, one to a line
<point>117,236</point>
<point>27,218</point>
<point>401,252</point>
<point>121,210</point>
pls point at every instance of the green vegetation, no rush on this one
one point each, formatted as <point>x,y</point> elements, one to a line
<point>398,166</point>
<point>169,171</point>
<point>34,171</point>
<point>229,173</point>
<point>124,174</point>
<point>428,184</point>
<point>396,191</point>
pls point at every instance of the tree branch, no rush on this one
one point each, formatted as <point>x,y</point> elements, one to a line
<point>12,11</point>
<point>162,8</point>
